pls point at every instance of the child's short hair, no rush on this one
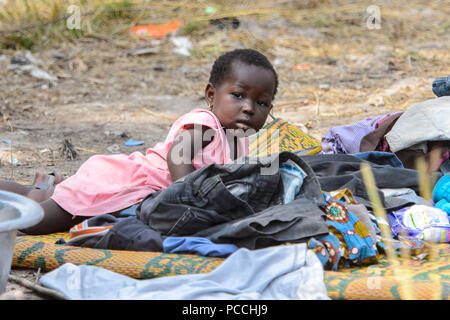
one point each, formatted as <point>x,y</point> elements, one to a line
<point>222,65</point>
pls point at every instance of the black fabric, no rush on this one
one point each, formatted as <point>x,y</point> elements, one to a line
<point>236,203</point>
<point>126,234</point>
<point>339,171</point>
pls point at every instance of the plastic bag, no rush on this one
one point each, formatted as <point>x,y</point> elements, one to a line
<point>420,222</point>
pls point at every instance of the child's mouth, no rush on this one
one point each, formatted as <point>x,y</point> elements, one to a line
<point>244,125</point>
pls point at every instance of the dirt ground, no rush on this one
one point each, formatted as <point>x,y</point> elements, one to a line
<point>334,71</point>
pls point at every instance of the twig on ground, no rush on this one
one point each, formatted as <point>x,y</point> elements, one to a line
<point>159,115</point>
<point>37,288</point>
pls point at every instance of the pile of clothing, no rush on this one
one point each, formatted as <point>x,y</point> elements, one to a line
<point>319,200</point>
<point>422,130</point>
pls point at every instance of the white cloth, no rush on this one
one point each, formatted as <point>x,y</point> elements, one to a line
<point>424,121</point>
<point>275,273</point>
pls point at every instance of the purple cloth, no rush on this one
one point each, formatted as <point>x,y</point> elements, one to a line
<point>347,139</point>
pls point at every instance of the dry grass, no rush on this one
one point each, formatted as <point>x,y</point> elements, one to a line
<point>41,23</point>
<point>31,23</point>
<point>346,65</point>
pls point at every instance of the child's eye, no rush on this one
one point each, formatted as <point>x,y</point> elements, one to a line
<point>262,104</point>
<point>237,95</point>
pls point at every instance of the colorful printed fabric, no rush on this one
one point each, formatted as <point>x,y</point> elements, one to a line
<point>329,250</point>
<point>349,242</point>
<point>278,136</point>
<point>344,195</point>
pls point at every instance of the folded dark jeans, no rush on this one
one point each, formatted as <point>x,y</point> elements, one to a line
<point>296,221</point>
<point>237,204</point>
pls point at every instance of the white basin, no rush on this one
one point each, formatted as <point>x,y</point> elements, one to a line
<point>16,212</point>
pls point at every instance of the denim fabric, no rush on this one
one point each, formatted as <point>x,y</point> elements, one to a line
<point>296,221</point>
<point>441,86</point>
<point>197,245</point>
<point>292,181</point>
<point>237,204</point>
<point>128,212</point>
<point>340,171</point>
<point>381,158</point>
<point>445,167</point>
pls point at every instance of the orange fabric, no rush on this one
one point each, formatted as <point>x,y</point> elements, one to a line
<point>157,30</point>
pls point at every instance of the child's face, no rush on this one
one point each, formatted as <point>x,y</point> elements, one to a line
<point>244,100</point>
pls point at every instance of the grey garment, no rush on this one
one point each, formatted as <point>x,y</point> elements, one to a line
<point>390,203</point>
<point>238,203</point>
<point>296,221</point>
<point>405,194</point>
<point>275,273</point>
<point>424,121</point>
<point>362,214</point>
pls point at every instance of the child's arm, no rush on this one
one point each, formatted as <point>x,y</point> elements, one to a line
<point>182,151</point>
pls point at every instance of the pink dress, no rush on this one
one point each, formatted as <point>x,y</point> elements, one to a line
<point>108,183</point>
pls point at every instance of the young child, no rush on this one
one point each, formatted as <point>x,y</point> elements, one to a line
<point>239,95</point>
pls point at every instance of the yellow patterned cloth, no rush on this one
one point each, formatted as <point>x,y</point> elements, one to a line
<point>41,252</point>
<point>279,135</point>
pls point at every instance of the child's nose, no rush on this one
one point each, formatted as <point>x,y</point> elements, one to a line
<point>248,107</point>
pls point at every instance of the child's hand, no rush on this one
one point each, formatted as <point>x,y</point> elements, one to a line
<point>183,150</point>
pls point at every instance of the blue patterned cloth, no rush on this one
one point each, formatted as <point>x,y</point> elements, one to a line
<point>349,242</point>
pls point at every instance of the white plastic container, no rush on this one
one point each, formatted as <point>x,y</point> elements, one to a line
<point>16,212</point>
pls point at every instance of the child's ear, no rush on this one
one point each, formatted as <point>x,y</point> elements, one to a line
<point>210,93</point>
